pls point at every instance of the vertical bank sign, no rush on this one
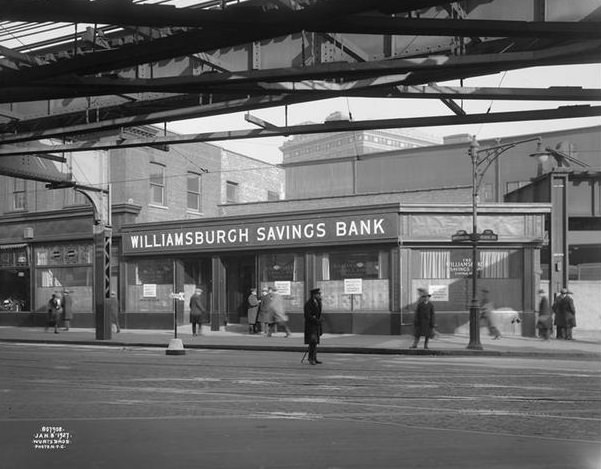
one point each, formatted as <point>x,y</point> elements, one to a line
<point>214,236</point>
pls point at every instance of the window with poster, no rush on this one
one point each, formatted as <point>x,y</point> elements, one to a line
<point>446,273</point>
<point>149,283</point>
<point>287,271</point>
<point>371,265</point>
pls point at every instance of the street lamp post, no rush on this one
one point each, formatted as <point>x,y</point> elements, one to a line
<point>481,161</point>
<point>474,343</point>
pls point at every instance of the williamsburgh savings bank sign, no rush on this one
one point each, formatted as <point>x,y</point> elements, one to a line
<point>211,237</point>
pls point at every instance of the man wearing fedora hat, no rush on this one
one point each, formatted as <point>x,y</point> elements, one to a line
<point>565,314</point>
<point>313,328</point>
<point>423,320</point>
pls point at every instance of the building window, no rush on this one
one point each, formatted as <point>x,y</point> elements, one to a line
<point>514,185</point>
<point>157,184</point>
<point>231,192</point>
<point>486,193</point>
<point>19,199</point>
<point>287,272</point>
<point>371,267</point>
<point>194,192</point>
<point>447,275</point>
<point>273,195</point>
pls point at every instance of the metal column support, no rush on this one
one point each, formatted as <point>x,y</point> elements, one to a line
<point>218,293</point>
<point>102,280</point>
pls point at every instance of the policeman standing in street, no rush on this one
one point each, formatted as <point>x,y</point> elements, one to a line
<point>313,328</point>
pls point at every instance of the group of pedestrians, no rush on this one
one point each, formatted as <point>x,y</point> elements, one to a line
<point>60,310</point>
<point>424,324</point>
<point>565,315</point>
<point>267,312</point>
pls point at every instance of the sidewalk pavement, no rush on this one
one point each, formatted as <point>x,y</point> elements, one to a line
<point>586,345</point>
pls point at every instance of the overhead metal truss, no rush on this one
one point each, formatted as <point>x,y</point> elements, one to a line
<point>129,63</point>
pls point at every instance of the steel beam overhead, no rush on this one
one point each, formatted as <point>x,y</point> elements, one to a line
<point>76,68</point>
<point>268,130</point>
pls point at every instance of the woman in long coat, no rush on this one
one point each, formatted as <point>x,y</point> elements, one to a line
<point>423,321</point>
<point>252,311</point>
<point>313,327</point>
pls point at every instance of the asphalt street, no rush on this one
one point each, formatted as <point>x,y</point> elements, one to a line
<point>73,406</point>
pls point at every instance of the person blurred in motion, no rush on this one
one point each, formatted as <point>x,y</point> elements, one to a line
<point>113,307</point>
<point>67,304</point>
<point>544,322</point>
<point>279,314</point>
<point>487,315</point>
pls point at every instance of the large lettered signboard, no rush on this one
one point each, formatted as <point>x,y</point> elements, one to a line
<point>227,235</point>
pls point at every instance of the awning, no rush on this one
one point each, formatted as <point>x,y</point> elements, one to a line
<point>7,247</point>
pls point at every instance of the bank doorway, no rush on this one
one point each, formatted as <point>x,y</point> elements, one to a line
<point>240,278</point>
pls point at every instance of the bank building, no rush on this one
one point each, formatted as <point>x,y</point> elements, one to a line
<point>369,228</point>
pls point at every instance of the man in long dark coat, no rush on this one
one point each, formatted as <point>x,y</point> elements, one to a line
<point>565,314</point>
<point>198,313</point>
<point>252,311</point>
<point>423,321</point>
<point>313,324</point>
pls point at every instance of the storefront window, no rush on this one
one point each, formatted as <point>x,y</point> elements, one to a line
<point>447,275</point>
<point>149,283</point>
<point>14,278</point>
<point>368,269</point>
<point>286,271</point>
<point>64,267</point>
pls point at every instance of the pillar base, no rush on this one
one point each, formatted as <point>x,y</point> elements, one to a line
<point>176,347</point>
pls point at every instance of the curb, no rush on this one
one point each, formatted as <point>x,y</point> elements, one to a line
<point>329,349</point>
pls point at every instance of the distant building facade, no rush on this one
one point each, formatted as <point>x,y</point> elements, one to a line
<point>443,174</point>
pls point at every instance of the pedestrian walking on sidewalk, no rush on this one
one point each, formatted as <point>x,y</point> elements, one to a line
<point>565,314</point>
<point>269,311</point>
<point>423,320</point>
<point>487,315</point>
<point>313,329</point>
<point>54,312</point>
<point>279,314</point>
<point>263,314</point>
<point>253,311</point>
<point>544,322</point>
<point>67,304</point>
<point>113,309</point>
<point>198,313</point>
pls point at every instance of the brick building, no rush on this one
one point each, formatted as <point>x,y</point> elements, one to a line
<point>46,236</point>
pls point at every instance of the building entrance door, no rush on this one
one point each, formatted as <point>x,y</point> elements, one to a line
<point>197,274</point>
<point>240,278</point>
